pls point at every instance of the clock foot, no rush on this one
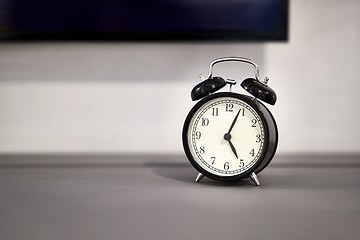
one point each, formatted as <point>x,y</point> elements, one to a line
<point>199,177</point>
<point>255,179</point>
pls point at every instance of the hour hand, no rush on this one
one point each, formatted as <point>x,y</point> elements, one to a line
<point>227,137</point>
<point>233,149</point>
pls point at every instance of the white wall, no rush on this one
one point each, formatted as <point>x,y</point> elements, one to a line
<point>124,97</point>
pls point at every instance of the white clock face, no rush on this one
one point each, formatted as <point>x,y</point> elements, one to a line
<point>226,136</point>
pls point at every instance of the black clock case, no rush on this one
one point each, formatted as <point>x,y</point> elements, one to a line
<point>270,132</point>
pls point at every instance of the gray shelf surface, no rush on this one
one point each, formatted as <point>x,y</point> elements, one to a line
<point>103,196</point>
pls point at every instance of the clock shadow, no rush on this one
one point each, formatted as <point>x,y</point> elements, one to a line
<point>184,172</point>
<point>181,172</point>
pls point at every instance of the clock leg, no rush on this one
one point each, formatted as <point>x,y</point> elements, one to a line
<point>255,179</point>
<point>199,177</point>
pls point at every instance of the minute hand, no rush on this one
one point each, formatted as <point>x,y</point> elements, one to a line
<point>234,121</point>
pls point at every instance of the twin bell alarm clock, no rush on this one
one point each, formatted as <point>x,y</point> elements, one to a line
<point>229,136</point>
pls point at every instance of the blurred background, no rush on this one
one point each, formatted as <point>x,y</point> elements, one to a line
<point>94,94</point>
<point>77,84</point>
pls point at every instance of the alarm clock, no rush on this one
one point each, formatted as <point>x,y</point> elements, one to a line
<point>229,136</point>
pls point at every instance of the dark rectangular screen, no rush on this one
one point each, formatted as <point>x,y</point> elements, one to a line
<point>149,19</point>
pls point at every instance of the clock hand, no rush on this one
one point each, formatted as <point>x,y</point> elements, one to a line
<point>234,121</point>
<point>233,149</point>
<point>227,137</point>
